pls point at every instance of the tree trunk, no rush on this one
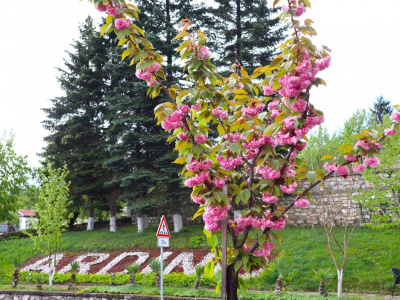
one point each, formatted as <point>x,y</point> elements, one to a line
<point>128,210</point>
<point>232,283</point>
<point>140,224</point>
<point>278,287</point>
<point>168,41</point>
<point>15,278</point>
<point>145,222</point>
<point>178,223</point>
<point>238,29</point>
<point>71,221</point>
<point>113,211</point>
<point>339,283</point>
<point>322,290</point>
<point>90,222</point>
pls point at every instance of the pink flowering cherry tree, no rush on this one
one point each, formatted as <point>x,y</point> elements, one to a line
<point>261,120</point>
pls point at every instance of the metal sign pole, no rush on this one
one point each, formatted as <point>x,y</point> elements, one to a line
<point>162,271</point>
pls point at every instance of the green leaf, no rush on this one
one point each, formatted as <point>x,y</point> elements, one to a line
<point>325,157</point>
<point>276,62</point>
<point>181,35</point>
<point>244,196</point>
<point>275,164</point>
<point>235,148</point>
<point>276,191</point>
<point>238,265</point>
<point>198,149</point>
<point>198,213</point>
<point>180,160</point>
<point>209,269</point>
<point>311,175</point>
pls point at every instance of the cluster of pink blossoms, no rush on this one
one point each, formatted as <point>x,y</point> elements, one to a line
<point>265,249</point>
<point>148,73</point>
<point>240,223</point>
<point>199,200</point>
<point>268,198</point>
<point>229,163</point>
<point>197,179</point>
<point>268,172</point>
<point>305,74</point>
<point>298,106</point>
<point>289,135</point>
<point>289,189</point>
<point>115,10</point>
<point>112,9</point>
<point>213,215</point>
<point>196,165</point>
<point>253,110</point>
<point>201,139</point>
<point>302,203</point>
<point>173,121</point>
<point>299,9</point>
<point>219,113</point>
<point>121,24</point>
<point>204,53</point>
<point>234,137</point>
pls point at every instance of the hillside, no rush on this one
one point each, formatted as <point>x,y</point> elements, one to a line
<point>371,254</point>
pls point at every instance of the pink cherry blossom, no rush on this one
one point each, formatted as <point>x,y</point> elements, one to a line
<point>173,121</point>
<point>102,7</point>
<point>390,131</point>
<point>198,179</point>
<point>329,167</point>
<point>151,83</point>
<point>302,203</point>
<point>182,136</point>
<point>218,182</point>
<point>268,90</point>
<point>253,110</point>
<point>219,113</point>
<point>199,200</point>
<point>373,162</point>
<point>201,139</point>
<point>363,144</point>
<point>184,109</point>
<point>229,163</point>
<point>196,106</point>
<point>342,170</point>
<point>272,105</point>
<point>121,24</point>
<point>300,9</point>
<point>350,158</point>
<point>268,198</point>
<point>395,117</point>
<point>288,189</point>
<point>112,11</point>
<point>268,173</point>
<point>358,168</point>
<point>205,52</point>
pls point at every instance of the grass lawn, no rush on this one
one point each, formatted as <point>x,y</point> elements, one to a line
<point>371,255</point>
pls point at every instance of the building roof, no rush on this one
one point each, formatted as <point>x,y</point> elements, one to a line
<point>26,213</point>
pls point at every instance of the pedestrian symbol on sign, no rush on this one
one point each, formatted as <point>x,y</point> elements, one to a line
<point>163,230</point>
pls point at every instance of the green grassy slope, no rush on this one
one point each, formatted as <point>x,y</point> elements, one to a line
<point>371,254</point>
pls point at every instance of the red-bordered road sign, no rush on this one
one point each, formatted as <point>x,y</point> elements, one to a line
<point>163,230</point>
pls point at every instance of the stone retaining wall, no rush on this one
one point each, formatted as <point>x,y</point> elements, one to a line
<point>337,191</point>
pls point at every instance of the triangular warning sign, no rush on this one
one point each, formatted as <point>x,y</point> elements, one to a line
<point>163,230</point>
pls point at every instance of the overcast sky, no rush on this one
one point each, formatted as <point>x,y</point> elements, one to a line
<point>362,34</point>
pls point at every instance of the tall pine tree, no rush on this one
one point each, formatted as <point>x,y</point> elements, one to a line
<point>250,33</point>
<point>76,122</point>
<point>381,108</point>
<point>141,159</point>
